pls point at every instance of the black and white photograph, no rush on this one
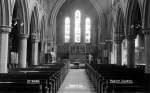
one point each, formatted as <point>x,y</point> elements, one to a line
<point>74,46</point>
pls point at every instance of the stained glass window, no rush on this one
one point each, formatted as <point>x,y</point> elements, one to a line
<point>67,29</point>
<point>77,26</point>
<point>87,30</point>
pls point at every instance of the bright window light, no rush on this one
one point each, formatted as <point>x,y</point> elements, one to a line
<point>67,29</point>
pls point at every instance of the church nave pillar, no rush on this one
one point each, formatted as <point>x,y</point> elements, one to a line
<point>4,34</point>
<point>130,51</point>
<point>35,51</point>
<point>118,52</point>
<point>147,51</point>
<point>22,54</point>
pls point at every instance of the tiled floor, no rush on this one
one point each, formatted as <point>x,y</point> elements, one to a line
<point>76,82</point>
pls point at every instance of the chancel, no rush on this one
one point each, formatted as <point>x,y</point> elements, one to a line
<point>74,46</point>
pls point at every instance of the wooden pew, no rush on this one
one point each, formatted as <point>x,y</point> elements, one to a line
<point>19,82</point>
<point>58,78</point>
<point>120,82</point>
<point>43,78</point>
<point>113,78</point>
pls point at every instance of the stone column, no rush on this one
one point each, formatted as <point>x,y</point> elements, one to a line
<point>4,35</point>
<point>35,52</point>
<point>113,54</point>
<point>22,53</point>
<point>147,51</point>
<point>118,52</point>
<point>130,51</point>
<point>140,50</point>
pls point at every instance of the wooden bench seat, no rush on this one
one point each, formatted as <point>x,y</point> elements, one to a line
<point>42,79</point>
<point>113,78</point>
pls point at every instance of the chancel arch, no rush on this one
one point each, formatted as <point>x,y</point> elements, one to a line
<point>83,29</point>
<point>55,12</point>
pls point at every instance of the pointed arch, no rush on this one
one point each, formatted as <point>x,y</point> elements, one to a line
<point>130,12</point>
<point>23,6</point>
<point>34,21</point>
<point>35,10</point>
<point>120,24</point>
<point>146,14</point>
<point>5,13</point>
<point>42,28</point>
<point>58,5</point>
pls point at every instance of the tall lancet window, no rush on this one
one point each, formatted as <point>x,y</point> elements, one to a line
<point>77,26</point>
<point>67,30</point>
<point>87,30</point>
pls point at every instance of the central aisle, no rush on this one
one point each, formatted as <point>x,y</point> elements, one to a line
<point>76,82</point>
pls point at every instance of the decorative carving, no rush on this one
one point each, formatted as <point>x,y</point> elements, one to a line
<point>119,37</point>
<point>5,29</point>
<point>34,38</point>
<point>118,41</point>
<point>23,35</point>
<point>146,31</point>
<point>130,36</point>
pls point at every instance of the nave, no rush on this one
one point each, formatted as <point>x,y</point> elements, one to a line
<point>60,78</point>
<point>39,37</point>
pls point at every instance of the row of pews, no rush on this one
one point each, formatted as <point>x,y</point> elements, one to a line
<point>111,78</point>
<point>45,78</point>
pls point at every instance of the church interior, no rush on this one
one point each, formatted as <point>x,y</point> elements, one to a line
<point>74,46</point>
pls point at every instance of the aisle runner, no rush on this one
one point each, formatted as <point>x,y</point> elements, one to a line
<point>76,82</point>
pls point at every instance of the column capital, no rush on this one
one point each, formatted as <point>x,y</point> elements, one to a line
<point>119,38</point>
<point>130,36</point>
<point>5,29</point>
<point>146,32</point>
<point>118,41</point>
<point>35,40</point>
<point>23,35</point>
